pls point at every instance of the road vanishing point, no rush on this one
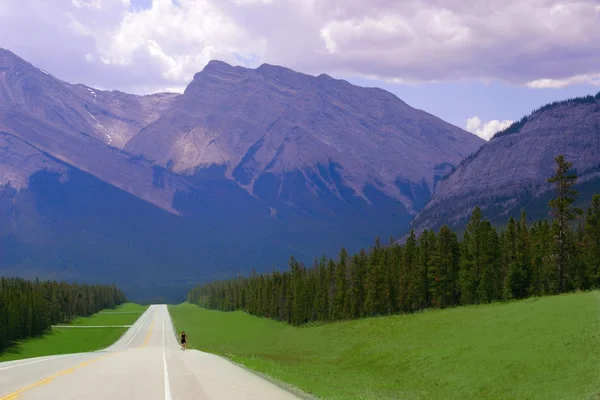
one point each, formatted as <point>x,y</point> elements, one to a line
<point>145,363</point>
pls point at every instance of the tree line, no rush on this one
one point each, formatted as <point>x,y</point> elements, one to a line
<point>30,308</point>
<point>433,270</point>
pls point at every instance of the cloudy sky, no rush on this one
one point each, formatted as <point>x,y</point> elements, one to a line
<point>477,64</point>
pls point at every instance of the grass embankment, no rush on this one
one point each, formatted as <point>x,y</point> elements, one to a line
<point>125,314</point>
<point>540,348</point>
<point>77,340</point>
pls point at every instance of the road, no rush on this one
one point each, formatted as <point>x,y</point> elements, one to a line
<point>146,363</point>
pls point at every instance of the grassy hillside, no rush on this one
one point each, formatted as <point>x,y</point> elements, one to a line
<point>540,348</point>
<point>73,340</point>
<point>126,314</point>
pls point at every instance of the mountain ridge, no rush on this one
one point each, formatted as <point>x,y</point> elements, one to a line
<point>514,166</point>
<point>242,170</point>
<point>279,141</point>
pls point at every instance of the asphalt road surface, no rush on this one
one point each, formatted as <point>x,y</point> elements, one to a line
<point>146,363</point>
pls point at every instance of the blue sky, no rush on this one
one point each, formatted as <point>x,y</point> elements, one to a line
<point>144,4</point>
<point>490,62</point>
<point>456,102</point>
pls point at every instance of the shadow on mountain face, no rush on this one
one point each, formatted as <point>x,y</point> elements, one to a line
<point>84,229</point>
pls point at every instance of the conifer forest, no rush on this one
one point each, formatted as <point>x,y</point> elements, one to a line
<point>433,269</point>
<point>30,308</point>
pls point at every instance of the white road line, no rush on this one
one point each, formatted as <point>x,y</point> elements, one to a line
<point>121,312</point>
<point>37,361</point>
<point>74,354</point>
<point>91,326</point>
<point>167,388</point>
<point>138,329</point>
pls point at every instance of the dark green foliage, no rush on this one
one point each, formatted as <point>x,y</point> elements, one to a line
<point>406,292</point>
<point>563,212</point>
<point>433,271</point>
<point>490,285</point>
<point>472,257</point>
<point>423,273</point>
<point>444,269</point>
<point>541,278</point>
<point>436,270</point>
<point>29,309</point>
<point>341,282</point>
<point>513,128</point>
<point>592,240</point>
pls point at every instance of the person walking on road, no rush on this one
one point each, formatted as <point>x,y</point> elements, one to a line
<point>183,340</point>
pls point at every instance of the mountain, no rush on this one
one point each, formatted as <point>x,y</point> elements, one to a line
<point>272,128</point>
<point>75,124</point>
<point>244,169</point>
<point>511,171</point>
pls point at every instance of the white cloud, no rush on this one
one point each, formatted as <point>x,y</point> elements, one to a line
<point>252,2</point>
<point>593,79</point>
<point>539,43</point>
<point>488,129</point>
<point>180,39</point>
<point>87,3</point>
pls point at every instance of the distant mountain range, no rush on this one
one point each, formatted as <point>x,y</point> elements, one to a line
<point>510,172</point>
<point>244,169</point>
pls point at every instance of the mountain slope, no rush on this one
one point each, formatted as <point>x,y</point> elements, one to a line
<point>77,125</point>
<point>263,124</point>
<point>244,169</point>
<point>512,169</point>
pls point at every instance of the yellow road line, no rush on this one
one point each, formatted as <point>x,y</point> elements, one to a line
<point>16,394</point>
<point>148,334</point>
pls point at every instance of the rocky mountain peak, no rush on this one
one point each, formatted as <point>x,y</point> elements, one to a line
<point>9,59</point>
<point>273,120</point>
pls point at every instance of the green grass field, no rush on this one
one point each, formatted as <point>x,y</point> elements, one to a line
<point>127,307</point>
<point>541,348</point>
<point>73,340</point>
<point>63,341</point>
<point>131,312</point>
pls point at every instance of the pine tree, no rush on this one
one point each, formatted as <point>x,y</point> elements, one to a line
<point>331,289</point>
<point>29,308</point>
<point>423,274</point>
<point>581,277</point>
<point>592,238</point>
<point>406,292</point>
<point>490,284</point>
<point>510,257</point>
<point>351,282</point>
<point>386,282</point>
<point>442,291</point>
<point>322,304</point>
<point>297,285</point>
<point>395,261</point>
<point>472,257</point>
<point>547,270</point>
<point>359,273</point>
<point>374,288</point>
<point>537,267</point>
<point>563,212</point>
<point>520,267</point>
<point>289,297</point>
<point>341,286</point>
